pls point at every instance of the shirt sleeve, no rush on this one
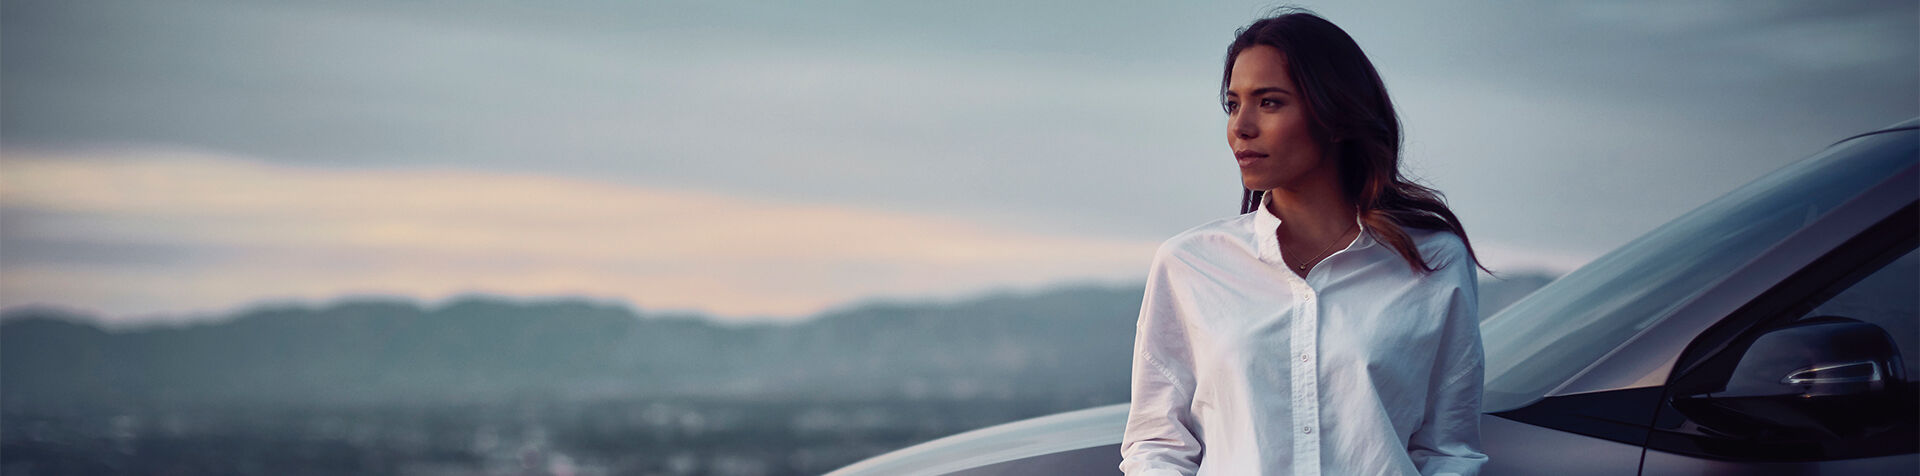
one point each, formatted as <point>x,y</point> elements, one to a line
<point>1448,440</point>
<point>1160,438</point>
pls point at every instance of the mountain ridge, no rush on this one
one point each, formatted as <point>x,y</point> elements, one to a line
<point>1066,343</point>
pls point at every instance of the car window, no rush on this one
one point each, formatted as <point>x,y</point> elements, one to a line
<point>1889,298</point>
<point>1559,330</point>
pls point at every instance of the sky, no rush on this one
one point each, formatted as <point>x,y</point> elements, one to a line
<point>168,160</point>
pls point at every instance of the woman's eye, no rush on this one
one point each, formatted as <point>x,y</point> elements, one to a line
<point>1230,106</point>
<point>1269,103</point>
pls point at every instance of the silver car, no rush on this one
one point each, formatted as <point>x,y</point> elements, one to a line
<point>1770,331</point>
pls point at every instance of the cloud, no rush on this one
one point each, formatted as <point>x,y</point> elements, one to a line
<point>1558,132</point>
<point>283,231</point>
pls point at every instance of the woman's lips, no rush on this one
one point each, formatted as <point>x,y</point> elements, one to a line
<point>1248,157</point>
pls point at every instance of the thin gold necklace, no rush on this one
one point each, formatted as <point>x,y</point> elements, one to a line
<point>1329,249</point>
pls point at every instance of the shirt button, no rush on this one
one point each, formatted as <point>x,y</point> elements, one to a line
<point>1306,430</point>
<point>1303,357</point>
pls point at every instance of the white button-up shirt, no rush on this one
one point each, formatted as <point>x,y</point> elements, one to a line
<point>1365,367</point>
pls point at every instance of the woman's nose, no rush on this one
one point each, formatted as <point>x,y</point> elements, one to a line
<point>1242,126</point>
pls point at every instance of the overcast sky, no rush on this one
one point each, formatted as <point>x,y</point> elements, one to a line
<point>161,159</point>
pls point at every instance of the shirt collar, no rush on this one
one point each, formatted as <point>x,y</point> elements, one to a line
<point>1265,223</point>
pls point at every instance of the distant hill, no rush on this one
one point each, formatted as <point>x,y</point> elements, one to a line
<point>1068,344</point>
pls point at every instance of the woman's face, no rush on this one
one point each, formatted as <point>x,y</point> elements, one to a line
<point>1267,124</point>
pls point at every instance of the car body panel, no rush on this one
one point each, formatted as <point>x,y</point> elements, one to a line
<point>1551,451</point>
<point>1090,461</point>
<point>1051,434</point>
<point>1660,463</point>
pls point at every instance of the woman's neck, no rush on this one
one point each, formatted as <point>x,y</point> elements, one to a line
<point>1312,215</point>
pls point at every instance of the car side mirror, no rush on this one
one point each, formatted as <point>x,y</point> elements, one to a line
<point>1820,376</point>
<point>1820,357</point>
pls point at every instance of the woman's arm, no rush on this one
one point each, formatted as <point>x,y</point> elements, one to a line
<point>1448,440</point>
<point>1159,439</point>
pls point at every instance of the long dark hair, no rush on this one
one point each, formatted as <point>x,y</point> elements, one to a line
<point>1349,115</point>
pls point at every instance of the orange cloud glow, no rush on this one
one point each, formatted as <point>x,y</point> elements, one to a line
<point>285,232</point>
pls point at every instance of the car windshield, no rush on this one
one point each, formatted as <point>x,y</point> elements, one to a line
<point>1547,338</point>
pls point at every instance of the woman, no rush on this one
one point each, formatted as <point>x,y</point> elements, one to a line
<point>1332,327</point>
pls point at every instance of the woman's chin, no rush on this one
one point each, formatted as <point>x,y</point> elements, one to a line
<point>1258,183</point>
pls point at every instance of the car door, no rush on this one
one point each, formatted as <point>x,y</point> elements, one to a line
<point>1815,376</point>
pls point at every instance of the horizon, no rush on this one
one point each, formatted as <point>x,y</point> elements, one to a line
<point>162,320</point>
<point>442,302</point>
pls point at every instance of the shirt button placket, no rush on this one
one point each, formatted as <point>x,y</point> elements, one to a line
<point>1306,405</point>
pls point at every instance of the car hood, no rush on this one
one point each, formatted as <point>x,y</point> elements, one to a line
<point>1044,435</point>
